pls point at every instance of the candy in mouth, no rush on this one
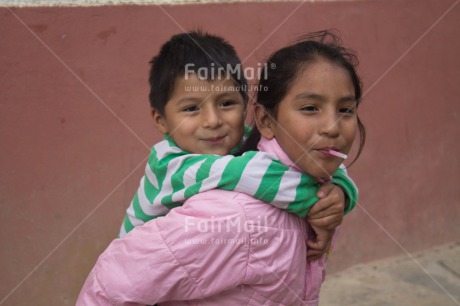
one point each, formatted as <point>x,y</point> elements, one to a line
<point>338,154</point>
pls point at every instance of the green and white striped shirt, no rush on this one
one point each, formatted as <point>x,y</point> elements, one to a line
<point>173,175</point>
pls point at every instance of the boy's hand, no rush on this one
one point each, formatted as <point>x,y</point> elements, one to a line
<point>324,217</point>
<point>327,213</point>
<point>319,244</point>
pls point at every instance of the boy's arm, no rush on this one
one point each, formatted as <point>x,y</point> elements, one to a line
<point>145,205</point>
<point>324,217</point>
<point>172,176</point>
<point>327,213</point>
<point>329,210</point>
<point>341,179</point>
<point>257,174</point>
<point>267,179</point>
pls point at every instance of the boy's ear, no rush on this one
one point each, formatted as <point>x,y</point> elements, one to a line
<point>264,121</point>
<point>159,121</point>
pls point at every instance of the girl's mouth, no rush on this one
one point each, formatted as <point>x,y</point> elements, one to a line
<point>332,152</point>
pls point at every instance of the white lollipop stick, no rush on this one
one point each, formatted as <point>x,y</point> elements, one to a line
<point>338,154</point>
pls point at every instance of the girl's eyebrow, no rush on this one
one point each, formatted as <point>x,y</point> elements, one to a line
<point>350,98</point>
<point>310,96</point>
<point>320,98</point>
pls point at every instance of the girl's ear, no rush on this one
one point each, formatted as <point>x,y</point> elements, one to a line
<point>159,121</point>
<point>264,121</point>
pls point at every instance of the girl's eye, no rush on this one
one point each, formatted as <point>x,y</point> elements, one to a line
<point>192,108</point>
<point>309,108</point>
<point>347,110</point>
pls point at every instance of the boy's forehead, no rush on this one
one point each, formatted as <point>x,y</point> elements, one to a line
<point>207,76</point>
<point>194,83</point>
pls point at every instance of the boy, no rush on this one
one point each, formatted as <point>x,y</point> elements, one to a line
<point>198,98</point>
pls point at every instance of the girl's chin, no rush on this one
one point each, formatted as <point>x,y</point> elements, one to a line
<point>323,176</point>
<point>322,172</point>
<point>324,179</point>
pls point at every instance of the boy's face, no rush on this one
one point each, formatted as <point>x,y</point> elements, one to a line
<point>203,117</point>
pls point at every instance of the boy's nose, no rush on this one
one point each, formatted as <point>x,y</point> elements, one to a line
<point>211,118</point>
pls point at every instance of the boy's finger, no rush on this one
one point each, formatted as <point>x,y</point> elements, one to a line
<point>320,218</point>
<point>314,253</point>
<point>328,205</point>
<point>323,207</point>
<point>319,246</point>
<point>324,190</point>
<point>327,223</point>
<point>322,204</point>
<point>324,213</point>
<point>313,257</point>
<point>325,210</point>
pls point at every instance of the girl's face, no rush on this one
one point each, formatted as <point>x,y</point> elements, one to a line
<point>317,114</point>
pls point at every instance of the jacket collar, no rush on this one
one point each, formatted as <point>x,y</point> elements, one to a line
<point>271,146</point>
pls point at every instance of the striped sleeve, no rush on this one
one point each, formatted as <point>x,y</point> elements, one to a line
<point>172,176</point>
<point>263,176</point>
<point>146,204</point>
<point>341,179</point>
<point>257,174</point>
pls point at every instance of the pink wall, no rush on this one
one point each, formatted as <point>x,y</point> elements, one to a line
<point>75,126</point>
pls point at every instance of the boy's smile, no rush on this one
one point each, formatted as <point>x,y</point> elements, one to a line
<point>203,117</point>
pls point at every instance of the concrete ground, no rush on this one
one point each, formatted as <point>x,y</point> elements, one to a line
<point>428,278</point>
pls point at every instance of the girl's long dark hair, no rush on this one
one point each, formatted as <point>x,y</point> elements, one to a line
<point>282,68</point>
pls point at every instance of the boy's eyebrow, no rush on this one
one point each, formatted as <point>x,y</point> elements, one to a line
<point>189,99</point>
<point>200,99</point>
<point>228,94</point>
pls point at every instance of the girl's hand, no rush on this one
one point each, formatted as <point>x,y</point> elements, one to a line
<point>324,217</point>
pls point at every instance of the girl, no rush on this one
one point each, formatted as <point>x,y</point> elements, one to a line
<point>203,119</point>
<point>240,251</point>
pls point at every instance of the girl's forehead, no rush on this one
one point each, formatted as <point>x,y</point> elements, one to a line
<point>321,74</point>
<point>323,80</point>
<point>320,65</point>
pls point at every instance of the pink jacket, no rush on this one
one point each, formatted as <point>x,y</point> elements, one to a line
<point>219,248</point>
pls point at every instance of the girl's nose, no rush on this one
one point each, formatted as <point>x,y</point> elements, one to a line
<point>211,118</point>
<point>330,125</point>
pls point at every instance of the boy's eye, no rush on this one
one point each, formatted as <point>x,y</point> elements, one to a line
<point>227,103</point>
<point>192,108</point>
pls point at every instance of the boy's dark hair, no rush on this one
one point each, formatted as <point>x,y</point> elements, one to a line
<point>322,45</point>
<point>197,50</point>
